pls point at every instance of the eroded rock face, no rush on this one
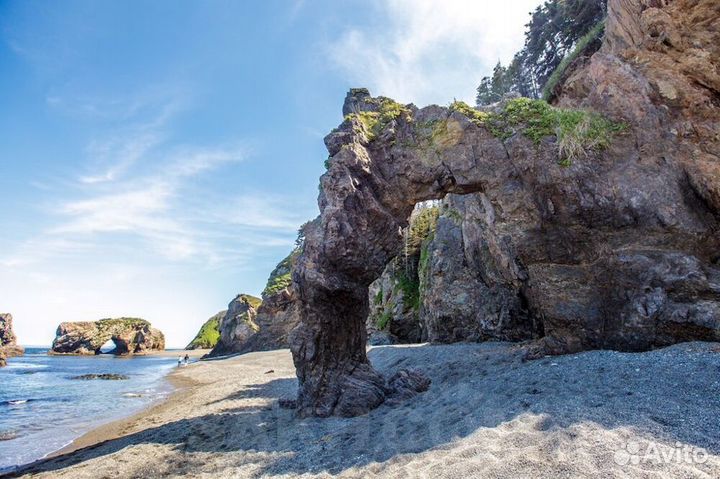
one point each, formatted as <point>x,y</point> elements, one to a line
<point>617,249</point>
<point>276,317</point>
<point>8,340</point>
<point>130,335</point>
<point>471,282</point>
<point>237,326</point>
<point>258,326</point>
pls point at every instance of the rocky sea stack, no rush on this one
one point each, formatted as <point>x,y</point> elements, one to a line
<point>130,335</point>
<point>8,340</point>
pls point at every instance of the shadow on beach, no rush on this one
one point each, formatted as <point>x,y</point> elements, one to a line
<point>667,395</point>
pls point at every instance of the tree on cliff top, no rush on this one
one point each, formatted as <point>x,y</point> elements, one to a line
<point>554,30</point>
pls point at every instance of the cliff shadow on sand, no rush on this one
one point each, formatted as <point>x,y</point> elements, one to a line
<point>488,411</point>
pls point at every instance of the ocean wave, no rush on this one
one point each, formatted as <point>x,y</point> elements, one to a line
<point>20,365</point>
<point>15,402</point>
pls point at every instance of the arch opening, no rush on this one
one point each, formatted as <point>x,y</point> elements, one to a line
<point>108,347</point>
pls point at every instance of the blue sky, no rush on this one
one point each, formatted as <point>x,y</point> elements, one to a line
<point>157,157</point>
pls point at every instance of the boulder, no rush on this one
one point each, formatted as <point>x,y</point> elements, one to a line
<point>132,336</point>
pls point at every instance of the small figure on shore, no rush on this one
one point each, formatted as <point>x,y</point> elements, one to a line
<point>180,361</point>
<point>187,359</point>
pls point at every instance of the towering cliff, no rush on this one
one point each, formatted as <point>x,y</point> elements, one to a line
<point>130,336</point>
<point>8,340</point>
<point>593,225</point>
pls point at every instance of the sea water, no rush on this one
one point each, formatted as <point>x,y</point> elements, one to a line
<point>42,409</point>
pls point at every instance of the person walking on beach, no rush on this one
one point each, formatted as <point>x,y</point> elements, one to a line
<point>179,361</point>
<point>187,359</point>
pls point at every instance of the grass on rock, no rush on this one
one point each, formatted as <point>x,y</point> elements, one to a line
<point>578,132</point>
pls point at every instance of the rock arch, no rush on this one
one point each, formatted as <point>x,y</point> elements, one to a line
<point>615,249</point>
<point>599,265</point>
<point>130,336</point>
<point>381,165</point>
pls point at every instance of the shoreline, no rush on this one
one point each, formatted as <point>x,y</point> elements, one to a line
<point>165,353</point>
<point>488,413</point>
<point>102,431</point>
<point>120,427</point>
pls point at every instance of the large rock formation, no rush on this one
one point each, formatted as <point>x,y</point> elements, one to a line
<point>237,326</point>
<point>209,334</point>
<point>276,317</point>
<point>130,335</point>
<point>8,340</point>
<point>256,325</point>
<point>471,288</point>
<point>252,324</point>
<point>596,232</point>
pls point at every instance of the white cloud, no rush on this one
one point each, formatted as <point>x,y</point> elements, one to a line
<point>427,51</point>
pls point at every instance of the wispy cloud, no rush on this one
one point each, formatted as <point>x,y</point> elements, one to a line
<point>148,207</point>
<point>428,51</point>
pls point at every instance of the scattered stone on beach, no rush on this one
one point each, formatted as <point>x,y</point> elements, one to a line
<point>104,377</point>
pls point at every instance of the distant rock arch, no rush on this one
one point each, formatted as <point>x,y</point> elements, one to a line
<point>129,335</point>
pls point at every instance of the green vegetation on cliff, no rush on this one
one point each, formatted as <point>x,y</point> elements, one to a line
<point>108,323</point>
<point>281,277</point>
<point>583,44</point>
<point>577,131</point>
<point>422,224</point>
<point>253,301</point>
<point>375,121</point>
<point>209,333</point>
<point>559,30</point>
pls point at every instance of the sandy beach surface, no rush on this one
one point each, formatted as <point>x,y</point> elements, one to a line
<point>488,413</point>
<point>174,353</point>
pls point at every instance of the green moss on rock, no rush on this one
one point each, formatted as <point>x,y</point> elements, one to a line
<point>374,122</point>
<point>209,333</point>
<point>281,277</point>
<point>577,131</point>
